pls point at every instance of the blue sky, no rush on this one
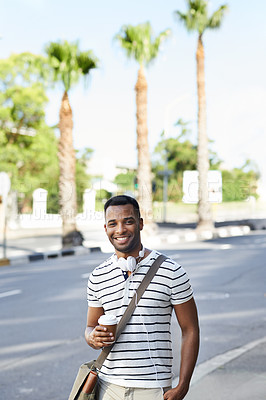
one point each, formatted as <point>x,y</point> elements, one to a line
<point>104,113</point>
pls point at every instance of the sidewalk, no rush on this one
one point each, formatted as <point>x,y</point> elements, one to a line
<point>32,244</point>
<point>239,374</point>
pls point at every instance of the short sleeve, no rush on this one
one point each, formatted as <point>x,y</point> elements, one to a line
<point>181,290</point>
<point>92,298</point>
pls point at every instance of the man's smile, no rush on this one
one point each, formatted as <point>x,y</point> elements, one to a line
<point>122,239</point>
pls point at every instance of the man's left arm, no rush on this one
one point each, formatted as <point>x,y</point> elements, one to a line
<point>187,317</point>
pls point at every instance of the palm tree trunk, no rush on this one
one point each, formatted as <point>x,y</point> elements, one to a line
<point>204,209</point>
<point>144,163</point>
<point>67,164</point>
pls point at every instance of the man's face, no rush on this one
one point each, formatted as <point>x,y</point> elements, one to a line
<point>123,227</point>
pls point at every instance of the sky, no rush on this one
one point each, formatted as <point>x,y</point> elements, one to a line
<point>104,112</point>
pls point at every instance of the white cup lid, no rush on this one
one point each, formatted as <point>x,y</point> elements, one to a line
<point>107,319</point>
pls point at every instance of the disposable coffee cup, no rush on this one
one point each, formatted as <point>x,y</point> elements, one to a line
<point>109,322</point>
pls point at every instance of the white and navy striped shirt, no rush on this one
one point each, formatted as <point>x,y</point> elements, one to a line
<point>142,355</point>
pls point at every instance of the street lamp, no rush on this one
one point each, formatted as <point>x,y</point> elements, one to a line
<point>4,189</point>
<point>165,173</point>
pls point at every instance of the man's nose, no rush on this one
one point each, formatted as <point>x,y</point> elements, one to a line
<point>120,228</point>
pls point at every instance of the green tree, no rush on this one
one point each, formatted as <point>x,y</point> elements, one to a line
<point>28,147</point>
<point>197,19</point>
<point>68,64</point>
<point>240,183</point>
<point>22,95</point>
<point>27,144</point>
<point>179,154</point>
<point>126,181</point>
<point>140,44</point>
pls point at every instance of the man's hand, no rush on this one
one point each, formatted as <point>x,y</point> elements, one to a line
<point>178,393</point>
<point>98,337</point>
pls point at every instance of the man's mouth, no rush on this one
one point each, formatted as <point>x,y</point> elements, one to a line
<point>122,240</point>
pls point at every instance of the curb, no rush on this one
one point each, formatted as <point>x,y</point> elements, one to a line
<point>79,250</point>
<point>191,235</point>
<point>207,367</point>
<point>181,235</point>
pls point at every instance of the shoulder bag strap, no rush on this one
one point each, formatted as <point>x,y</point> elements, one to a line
<point>131,307</point>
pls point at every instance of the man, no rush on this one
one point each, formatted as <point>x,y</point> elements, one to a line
<point>139,365</point>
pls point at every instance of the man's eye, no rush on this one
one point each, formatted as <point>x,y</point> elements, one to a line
<point>111,225</point>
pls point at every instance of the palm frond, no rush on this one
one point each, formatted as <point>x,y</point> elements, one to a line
<point>217,17</point>
<point>86,61</point>
<point>181,16</point>
<point>139,43</point>
<point>197,19</point>
<point>68,62</point>
<point>158,41</point>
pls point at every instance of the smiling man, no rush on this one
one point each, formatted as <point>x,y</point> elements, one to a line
<point>139,366</point>
<point>123,226</point>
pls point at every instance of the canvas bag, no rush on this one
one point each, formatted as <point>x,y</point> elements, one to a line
<point>85,369</point>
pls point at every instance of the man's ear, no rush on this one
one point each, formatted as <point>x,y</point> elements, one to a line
<point>141,224</point>
<point>105,228</point>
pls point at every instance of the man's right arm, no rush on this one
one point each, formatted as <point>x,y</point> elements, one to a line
<point>95,335</point>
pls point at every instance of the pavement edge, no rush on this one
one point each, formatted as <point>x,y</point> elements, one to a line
<point>79,250</point>
<point>209,366</point>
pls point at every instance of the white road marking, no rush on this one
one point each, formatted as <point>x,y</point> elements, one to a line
<point>25,390</point>
<point>226,246</point>
<point>10,293</point>
<point>212,296</point>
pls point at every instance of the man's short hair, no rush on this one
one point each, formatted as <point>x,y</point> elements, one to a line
<point>121,200</point>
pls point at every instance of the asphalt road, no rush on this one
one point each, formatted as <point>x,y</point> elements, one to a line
<point>43,312</point>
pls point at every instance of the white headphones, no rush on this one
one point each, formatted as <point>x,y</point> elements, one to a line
<point>130,263</point>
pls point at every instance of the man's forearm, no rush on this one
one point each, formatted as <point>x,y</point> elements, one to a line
<point>189,355</point>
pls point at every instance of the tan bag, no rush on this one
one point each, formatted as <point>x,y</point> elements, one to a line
<point>84,376</point>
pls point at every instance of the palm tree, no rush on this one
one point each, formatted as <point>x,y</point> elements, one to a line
<point>197,19</point>
<point>139,44</point>
<point>68,64</point>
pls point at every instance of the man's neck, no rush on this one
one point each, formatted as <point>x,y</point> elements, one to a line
<point>133,253</point>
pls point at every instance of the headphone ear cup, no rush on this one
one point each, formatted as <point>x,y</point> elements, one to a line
<point>128,264</point>
<point>131,263</point>
<point>123,263</point>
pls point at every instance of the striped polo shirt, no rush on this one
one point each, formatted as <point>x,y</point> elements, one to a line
<point>142,355</point>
